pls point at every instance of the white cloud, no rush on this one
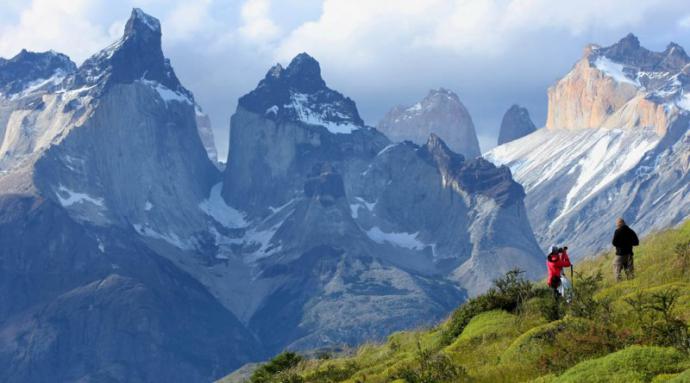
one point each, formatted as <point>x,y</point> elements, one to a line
<point>362,27</point>
<point>257,24</point>
<point>684,22</point>
<point>59,25</point>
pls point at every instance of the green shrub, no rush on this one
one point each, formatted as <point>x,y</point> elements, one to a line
<point>431,367</point>
<point>509,293</point>
<point>633,364</point>
<point>658,324</point>
<point>583,304</point>
<point>277,370</point>
<point>333,373</point>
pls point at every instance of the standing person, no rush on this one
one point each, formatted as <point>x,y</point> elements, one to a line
<point>555,262</point>
<point>624,239</point>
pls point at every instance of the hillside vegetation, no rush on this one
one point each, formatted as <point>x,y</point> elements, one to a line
<point>632,331</point>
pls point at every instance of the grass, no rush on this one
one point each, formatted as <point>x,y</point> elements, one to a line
<point>632,331</point>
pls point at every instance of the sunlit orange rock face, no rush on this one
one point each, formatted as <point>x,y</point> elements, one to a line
<point>624,86</point>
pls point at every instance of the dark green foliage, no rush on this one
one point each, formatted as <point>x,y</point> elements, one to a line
<point>277,370</point>
<point>550,308</point>
<point>508,293</point>
<point>583,304</point>
<point>333,373</point>
<point>431,367</point>
<point>658,323</point>
<point>682,251</point>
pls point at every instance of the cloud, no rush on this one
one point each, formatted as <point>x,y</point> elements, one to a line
<point>257,24</point>
<point>493,53</point>
<point>465,27</point>
<point>684,22</point>
<point>59,25</point>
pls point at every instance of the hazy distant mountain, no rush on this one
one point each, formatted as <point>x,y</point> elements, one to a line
<point>616,143</point>
<point>516,124</point>
<point>440,113</point>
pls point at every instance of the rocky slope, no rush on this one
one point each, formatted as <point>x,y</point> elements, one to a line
<point>440,113</point>
<point>516,124</point>
<point>616,144</point>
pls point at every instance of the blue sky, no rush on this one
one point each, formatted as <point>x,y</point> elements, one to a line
<point>380,53</point>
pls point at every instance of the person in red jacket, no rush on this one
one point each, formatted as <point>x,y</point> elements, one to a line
<point>555,262</point>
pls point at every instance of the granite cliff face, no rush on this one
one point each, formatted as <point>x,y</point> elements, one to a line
<point>101,164</point>
<point>624,86</point>
<point>385,235</point>
<point>616,144</point>
<point>440,113</point>
<point>516,124</point>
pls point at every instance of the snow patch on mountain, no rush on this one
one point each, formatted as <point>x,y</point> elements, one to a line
<point>166,94</point>
<point>217,209</point>
<point>68,197</point>
<point>171,238</point>
<point>306,112</point>
<point>401,239</point>
<point>614,70</point>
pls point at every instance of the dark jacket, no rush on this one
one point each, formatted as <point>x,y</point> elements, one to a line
<point>624,239</point>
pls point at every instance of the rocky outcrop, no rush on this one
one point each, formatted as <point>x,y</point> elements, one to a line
<point>203,125</point>
<point>516,124</point>
<point>440,113</point>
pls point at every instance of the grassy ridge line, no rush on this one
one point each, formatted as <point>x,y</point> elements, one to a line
<point>612,332</point>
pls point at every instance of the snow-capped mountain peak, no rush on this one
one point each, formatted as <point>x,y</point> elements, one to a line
<point>298,93</point>
<point>30,70</point>
<point>137,56</point>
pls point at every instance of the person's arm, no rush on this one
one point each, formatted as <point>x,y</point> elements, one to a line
<point>635,240</point>
<point>616,238</point>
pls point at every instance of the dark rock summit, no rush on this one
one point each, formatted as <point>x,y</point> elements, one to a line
<point>628,51</point>
<point>298,93</point>
<point>136,56</point>
<point>28,68</point>
<point>516,124</point>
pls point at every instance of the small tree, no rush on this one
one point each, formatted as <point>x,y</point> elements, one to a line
<point>583,304</point>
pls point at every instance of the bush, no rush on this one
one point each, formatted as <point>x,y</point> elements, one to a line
<point>682,251</point>
<point>333,373</point>
<point>657,320</point>
<point>509,293</point>
<point>633,364</point>
<point>431,367</point>
<point>583,304</point>
<point>556,346</point>
<point>277,370</point>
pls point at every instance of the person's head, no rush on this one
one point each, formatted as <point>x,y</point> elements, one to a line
<point>555,249</point>
<point>620,222</point>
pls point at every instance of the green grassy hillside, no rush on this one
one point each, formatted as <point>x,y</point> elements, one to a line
<point>632,331</point>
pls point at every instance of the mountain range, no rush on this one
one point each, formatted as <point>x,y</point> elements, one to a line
<point>130,254</point>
